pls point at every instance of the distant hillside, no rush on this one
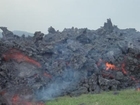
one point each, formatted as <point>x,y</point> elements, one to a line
<point>0,34</point>
<point>17,32</point>
<point>20,33</point>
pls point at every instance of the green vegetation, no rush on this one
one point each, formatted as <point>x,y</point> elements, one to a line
<point>125,97</point>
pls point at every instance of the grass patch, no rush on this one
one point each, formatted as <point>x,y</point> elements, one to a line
<point>125,97</point>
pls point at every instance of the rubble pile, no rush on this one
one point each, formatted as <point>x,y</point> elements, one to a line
<point>72,62</point>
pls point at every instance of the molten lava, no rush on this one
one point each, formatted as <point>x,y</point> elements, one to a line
<point>110,66</point>
<point>16,100</point>
<point>113,67</point>
<point>18,56</point>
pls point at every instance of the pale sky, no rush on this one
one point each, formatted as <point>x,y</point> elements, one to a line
<point>38,15</point>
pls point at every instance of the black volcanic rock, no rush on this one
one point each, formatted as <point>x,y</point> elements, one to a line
<point>6,32</point>
<point>51,30</point>
<point>108,26</point>
<point>38,36</point>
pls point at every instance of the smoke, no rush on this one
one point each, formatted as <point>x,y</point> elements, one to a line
<point>66,81</point>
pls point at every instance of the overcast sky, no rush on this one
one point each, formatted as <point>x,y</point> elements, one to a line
<point>35,15</point>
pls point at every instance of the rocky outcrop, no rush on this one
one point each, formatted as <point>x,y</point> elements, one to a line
<point>108,26</point>
<point>51,30</point>
<point>6,32</point>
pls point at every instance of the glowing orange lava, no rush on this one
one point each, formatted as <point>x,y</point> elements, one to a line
<point>15,54</point>
<point>110,66</point>
<point>113,67</point>
<point>15,99</point>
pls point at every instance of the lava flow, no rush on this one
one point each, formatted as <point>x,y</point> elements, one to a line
<point>113,67</point>
<point>16,100</point>
<point>110,66</point>
<point>18,56</point>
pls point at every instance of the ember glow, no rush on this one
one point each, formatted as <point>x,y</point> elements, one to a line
<point>16,100</point>
<point>18,56</point>
<point>110,66</point>
<point>113,67</point>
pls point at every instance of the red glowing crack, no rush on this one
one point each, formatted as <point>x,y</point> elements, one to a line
<point>18,56</point>
<point>16,100</point>
<point>110,66</point>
